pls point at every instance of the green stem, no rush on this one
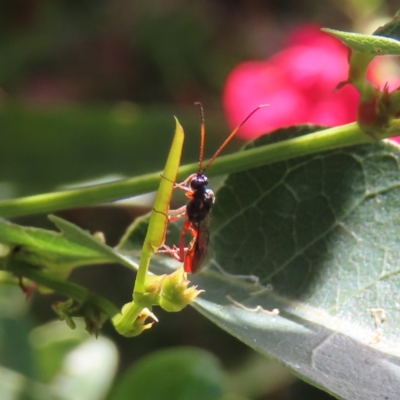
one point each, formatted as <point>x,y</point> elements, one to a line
<point>139,288</point>
<point>69,289</point>
<point>123,323</point>
<point>324,140</point>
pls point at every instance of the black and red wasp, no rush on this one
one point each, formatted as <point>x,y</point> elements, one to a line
<point>197,210</point>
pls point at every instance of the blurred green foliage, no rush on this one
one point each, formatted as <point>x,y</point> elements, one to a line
<point>46,148</point>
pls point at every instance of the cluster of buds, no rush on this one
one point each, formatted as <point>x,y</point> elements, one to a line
<point>170,292</point>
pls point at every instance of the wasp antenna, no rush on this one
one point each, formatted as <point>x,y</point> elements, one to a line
<point>233,133</point>
<point>202,135</point>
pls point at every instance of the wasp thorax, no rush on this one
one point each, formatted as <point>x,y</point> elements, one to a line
<point>200,205</point>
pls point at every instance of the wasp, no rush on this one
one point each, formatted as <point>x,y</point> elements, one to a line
<point>197,210</point>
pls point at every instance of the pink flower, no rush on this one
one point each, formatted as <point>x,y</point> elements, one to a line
<point>298,83</point>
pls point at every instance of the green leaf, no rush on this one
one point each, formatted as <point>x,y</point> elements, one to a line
<point>174,374</point>
<point>391,29</point>
<point>371,44</point>
<point>36,247</point>
<point>158,222</point>
<point>159,219</point>
<point>79,236</point>
<point>321,233</point>
<point>48,249</point>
